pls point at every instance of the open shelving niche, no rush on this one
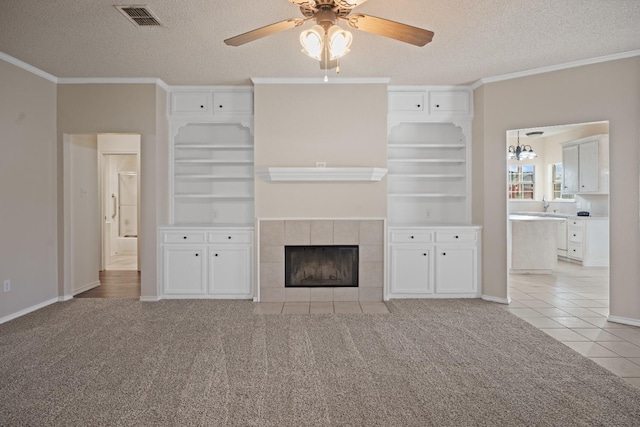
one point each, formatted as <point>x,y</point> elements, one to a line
<point>212,174</point>
<point>429,174</point>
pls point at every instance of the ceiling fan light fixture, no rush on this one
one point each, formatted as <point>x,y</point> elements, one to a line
<point>312,41</point>
<point>339,42</point>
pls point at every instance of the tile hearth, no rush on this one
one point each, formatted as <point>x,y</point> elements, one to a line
<point>274,235</point>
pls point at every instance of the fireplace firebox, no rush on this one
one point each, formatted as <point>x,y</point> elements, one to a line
<point>326,266</point>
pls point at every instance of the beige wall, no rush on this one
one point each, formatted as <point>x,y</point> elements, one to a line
<point>119,108</point>
<point>28,251</point>
<point>606,91</point>
<point>298,125</point>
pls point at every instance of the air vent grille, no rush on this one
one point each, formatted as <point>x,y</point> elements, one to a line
<point>139,15</point>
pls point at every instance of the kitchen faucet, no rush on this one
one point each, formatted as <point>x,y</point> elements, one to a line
<point>545,205</point>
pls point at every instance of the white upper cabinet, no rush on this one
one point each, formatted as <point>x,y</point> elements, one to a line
<point>429,103</point>
<point>215,104</point>
<point>586,165</point>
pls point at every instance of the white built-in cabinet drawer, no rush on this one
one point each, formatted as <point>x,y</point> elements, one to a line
<point>575,234</point>
<point>451,102</point>
<point>574,250</point>
<point>233,102</point>
<point>455,237</point>
<point>230,237</point>
<point>407,101</point>
<point>411,237</point>
<point>183,237</point>
<point>190,103</point>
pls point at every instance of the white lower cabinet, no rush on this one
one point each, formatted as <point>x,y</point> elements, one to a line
<point>184,269</point>
<point>228,272</point>
<point>412,271</point>
<point>442,263</point>
<point>219,266</point>
<point>456,270</point>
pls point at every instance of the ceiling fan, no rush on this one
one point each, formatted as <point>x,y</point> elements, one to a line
<point>326,41</point>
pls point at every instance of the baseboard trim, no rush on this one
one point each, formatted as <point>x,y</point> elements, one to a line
<point>64,298</point>
<point>623,320</point>
<point>28,310</point>
<point>150,299</point>
<point>496,299</point>
<point>86,288</point>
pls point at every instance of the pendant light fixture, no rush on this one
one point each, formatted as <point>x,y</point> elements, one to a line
<point>521,152</point>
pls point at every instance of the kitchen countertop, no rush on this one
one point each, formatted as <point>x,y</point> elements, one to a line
<point>556,215</point>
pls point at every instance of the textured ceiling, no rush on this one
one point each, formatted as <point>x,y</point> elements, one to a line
<point>473,39</point>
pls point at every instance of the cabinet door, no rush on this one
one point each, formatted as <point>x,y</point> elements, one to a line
<point>589,172</point>
<point>456,270</point>
<point>229,271</point>
<point>184,270</point>
<point>570,175</point>
<point>411,270</point>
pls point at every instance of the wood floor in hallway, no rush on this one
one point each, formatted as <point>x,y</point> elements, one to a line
<point>115,284</point>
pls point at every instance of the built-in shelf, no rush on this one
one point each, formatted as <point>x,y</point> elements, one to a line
<point>213,161</point>
<point>321,174</point>
<point>426,160</point>
<point>440,195</point>
<point>215,177</point>
<point>213,196</point>
<point>456,146</point>
<point>426,175</point>
<point>214,146</point>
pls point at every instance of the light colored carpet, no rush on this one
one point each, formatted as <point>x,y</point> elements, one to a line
<point>99,362</point>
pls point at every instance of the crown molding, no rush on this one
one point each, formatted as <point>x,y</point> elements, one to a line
<point>27,67</point>
<point>319,80</point>
<point>558,67</point>
<point>112,80</point>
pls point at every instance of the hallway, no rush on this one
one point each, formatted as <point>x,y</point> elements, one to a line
<point>115,284</point>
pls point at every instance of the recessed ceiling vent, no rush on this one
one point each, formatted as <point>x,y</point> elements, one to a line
<point>139,15</point>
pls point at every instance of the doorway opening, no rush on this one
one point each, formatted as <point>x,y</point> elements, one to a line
<point>102,215</point>
<point>558,262</point>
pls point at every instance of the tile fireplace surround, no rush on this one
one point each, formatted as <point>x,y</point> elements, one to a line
<point>274,235</point>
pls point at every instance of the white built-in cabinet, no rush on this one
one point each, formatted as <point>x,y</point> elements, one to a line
<point>585,165</point>
<point>434,261</point>
<point>207,250</point>
<point>433,250</point>
<point>588,241</point>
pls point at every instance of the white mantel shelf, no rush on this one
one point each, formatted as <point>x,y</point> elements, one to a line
<point>321,174</point>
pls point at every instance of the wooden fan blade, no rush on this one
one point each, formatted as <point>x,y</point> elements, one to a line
<point>264,31</point>
<point>395,30</point>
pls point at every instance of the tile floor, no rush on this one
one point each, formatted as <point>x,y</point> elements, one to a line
<point>321,307</point>
<point>571,305</point>
<point>122,262</point>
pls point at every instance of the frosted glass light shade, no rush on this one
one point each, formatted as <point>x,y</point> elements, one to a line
<point>312,42</point>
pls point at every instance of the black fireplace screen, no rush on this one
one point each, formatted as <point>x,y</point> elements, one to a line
<point>327,266</point>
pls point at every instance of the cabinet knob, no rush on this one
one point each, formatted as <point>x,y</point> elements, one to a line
<point>197,254</point>
<point>437,105</point>
<point>424,254</point>
<point>202,106</point>
<point>457,237</point>
<point>184,237</point>
<point>412,237</point>
<point>418,105</point>
<point>583,185</point>
<point>444,253</point>
<point>574,235</point>
<point>215,255</point>
<point>229,237</point>
<point>219,106</point>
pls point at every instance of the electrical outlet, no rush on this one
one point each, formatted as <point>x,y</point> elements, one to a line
<point>7,286</point>
<point>214,214</point>
<point>321,164</point>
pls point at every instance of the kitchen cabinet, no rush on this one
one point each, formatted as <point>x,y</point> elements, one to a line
<point>588,241</point>
<point>586,165</point>
<point>434,262</point>
<point>211,262</point>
